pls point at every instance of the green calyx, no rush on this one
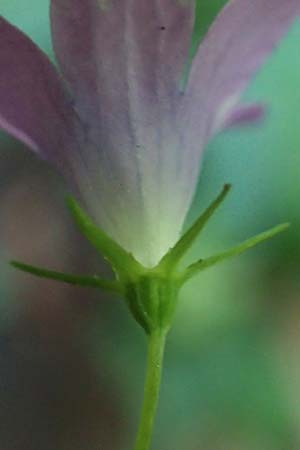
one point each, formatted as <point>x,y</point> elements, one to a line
<point>151,294</point>
<point>152,299</point>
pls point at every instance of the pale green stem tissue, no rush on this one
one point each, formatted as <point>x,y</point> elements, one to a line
<point>156,346</point>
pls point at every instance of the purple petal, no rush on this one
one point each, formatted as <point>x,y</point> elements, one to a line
<point>33,106</point>
<point>124,61</point>
<point>236,46</point>
<point>106,47</point>
<point>244,115</point>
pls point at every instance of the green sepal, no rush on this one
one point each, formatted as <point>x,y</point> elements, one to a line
<point>203,264</point>
<point>119,258</point>
<point>175,254</point>
<point>78,280</point>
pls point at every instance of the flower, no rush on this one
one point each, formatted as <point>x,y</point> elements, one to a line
<point>118,121</point>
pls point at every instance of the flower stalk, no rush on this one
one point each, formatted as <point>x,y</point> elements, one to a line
<point>156,346</point>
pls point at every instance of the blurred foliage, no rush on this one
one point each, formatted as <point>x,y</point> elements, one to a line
<point>72,361</point>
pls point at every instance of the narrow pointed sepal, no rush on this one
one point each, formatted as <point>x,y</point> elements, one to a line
<point>119,258</point>
<point>77,280</point>
<point>203,264</point>
<point>175,254</point>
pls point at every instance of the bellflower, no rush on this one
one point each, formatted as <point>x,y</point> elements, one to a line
<point>118,120</point>
<point>126,120</point>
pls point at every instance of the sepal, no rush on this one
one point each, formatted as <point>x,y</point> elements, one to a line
<point>203,264</point>
<point>171,260</point>
<point>119,258</point>
<point>78,280</point>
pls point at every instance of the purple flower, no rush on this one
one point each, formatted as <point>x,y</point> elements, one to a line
<point>119,122</point>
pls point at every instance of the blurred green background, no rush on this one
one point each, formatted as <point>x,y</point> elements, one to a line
<point>72,360</point>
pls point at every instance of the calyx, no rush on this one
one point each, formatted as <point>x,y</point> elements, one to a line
<point>151,294</point>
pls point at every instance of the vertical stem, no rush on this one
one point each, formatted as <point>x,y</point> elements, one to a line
<point>156,347</point>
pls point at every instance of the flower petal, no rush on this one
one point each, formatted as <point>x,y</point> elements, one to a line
<point>238,43</point>
<point>124,61</point>
<point>244,115</point>
<point>236,46</point>
<point>33,105</point>
<point>106,47</point>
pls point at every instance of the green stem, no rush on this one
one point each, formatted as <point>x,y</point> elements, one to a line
<point>156,347</point>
